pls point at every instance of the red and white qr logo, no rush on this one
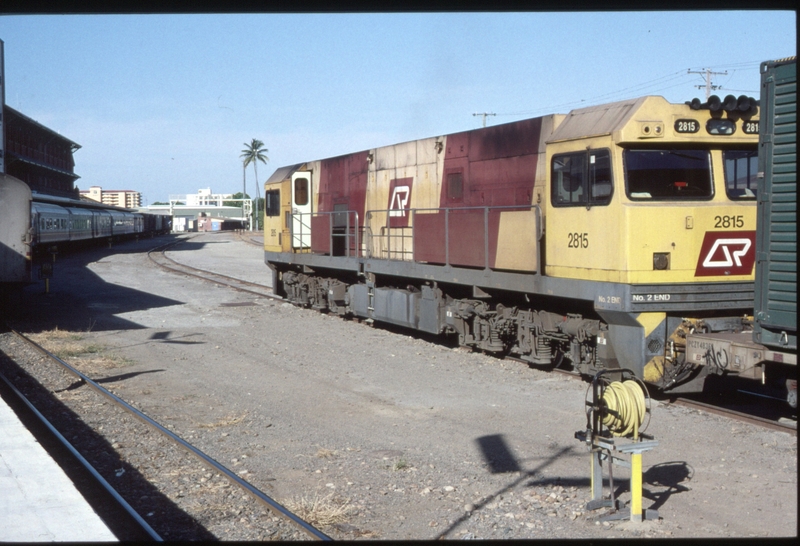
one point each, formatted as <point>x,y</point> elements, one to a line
<point>399,201</point>
<point>727,253</point>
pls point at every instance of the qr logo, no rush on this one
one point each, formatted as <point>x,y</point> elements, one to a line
<point>399,201</point>
<point>727,253</point>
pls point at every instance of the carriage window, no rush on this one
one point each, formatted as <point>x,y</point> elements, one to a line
<point>741,168</point>
<point>301,192</point>
<point>273,204</point>
<point>683,175</point>
<point>582,178</point>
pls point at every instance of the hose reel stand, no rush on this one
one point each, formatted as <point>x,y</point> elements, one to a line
<point>614,418</point>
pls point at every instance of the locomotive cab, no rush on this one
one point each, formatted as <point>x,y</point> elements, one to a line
<point>657,198</point>
<point>657,194</point>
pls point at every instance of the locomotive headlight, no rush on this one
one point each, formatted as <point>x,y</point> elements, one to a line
<point>660,261</point>
<point>651,129</point>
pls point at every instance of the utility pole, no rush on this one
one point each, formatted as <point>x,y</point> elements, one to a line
<point>706,73</point>
<point>244,191</point>
<point>484,114</point>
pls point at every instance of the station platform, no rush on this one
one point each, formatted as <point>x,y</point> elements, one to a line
<point>38,502</point>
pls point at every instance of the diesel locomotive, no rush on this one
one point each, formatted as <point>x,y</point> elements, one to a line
<point>597,239</point>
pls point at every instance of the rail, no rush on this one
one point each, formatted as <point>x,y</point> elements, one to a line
<point>146,532</point>
<point>271,504</point>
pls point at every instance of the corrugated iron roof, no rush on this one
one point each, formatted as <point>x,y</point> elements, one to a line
<point>596,120</point>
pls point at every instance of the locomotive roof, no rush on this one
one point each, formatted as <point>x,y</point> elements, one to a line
<point>598,120</point>
<point>283,173</point>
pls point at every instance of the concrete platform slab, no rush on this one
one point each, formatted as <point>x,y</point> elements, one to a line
<point>38,502</point>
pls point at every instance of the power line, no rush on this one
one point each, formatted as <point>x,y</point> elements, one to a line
<point>707,73</point>
<point>650,86</point>
<point>484,114</point>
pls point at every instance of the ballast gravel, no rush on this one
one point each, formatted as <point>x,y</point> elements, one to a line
<point>384,434</point>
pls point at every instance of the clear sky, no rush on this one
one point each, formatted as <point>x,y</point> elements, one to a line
<point>163,104</point>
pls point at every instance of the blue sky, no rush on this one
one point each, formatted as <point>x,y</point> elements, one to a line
<point>163,104</point>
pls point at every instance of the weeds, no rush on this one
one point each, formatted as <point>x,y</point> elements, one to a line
<point>399,464</point>
<point>321,511</point>
<point>67,345</point>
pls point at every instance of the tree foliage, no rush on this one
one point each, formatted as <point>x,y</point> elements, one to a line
<point>253,153</point>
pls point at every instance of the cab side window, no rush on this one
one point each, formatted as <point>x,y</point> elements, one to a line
<point>741,173</point>
<point>273,205</point>
<point>581,178</point>
<point>301,192</point>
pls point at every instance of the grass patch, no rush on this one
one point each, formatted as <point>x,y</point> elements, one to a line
<point>399,464</point>
<point>321,511</point>
<point>68,346</point>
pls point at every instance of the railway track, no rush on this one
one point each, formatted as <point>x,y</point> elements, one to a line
<point>116,513</point>
<point>782,426</point>
<point>250,239</point>
<point>163,261</point>
<point>708,407</point>
<point>170,520</point>
<point>158,256</point>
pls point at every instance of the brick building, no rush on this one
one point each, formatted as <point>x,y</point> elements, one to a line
<point>39,156</point>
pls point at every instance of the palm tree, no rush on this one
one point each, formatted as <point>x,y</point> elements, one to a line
<point>253,153</point>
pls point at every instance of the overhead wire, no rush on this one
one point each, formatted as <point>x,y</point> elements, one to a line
<point>657,83</point>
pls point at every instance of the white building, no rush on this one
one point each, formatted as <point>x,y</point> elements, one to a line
<point>186,209</point>
<point>203,198</point>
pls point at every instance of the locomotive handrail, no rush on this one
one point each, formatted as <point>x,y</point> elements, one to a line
<point>447,210</point>
<point>350,230</point>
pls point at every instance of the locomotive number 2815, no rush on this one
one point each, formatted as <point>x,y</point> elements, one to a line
<point>728,221</point>
<point>578,240</point>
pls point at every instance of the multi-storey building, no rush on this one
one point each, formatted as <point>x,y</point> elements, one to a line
<point>118,198</point>
<point>37,155</point>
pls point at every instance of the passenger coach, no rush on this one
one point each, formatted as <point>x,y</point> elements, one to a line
<point>597,239</point>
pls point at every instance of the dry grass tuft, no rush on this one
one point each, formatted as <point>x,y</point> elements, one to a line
<point>225,421</point>
<point>55,335</point>
<point>64,344</point>
<point>399,464</point>
<point>321,511</point>
<point>323,453</point>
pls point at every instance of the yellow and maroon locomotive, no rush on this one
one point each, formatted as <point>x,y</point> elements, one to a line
<point>596,239</point>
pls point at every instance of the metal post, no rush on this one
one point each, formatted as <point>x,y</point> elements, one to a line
<point>636,487</point>
<point>597,475</point>
<point>446,236</point>
<point>486,237</point>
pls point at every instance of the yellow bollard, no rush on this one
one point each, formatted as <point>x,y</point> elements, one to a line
<point>636,487</point>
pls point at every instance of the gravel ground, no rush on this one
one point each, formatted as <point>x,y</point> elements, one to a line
<point>393,436</point>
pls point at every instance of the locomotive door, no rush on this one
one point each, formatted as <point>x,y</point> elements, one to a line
<point>301,210</point>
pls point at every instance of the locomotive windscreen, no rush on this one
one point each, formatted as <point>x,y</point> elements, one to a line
<point>668,174</point>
